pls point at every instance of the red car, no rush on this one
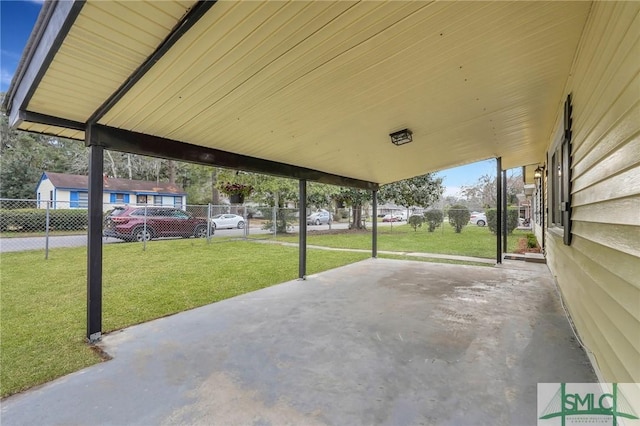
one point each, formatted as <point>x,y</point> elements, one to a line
<point>145,223</point>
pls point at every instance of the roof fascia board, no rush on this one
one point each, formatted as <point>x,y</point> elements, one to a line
<point>155,146</point>
<point>186,23</point>
<point>42,52</point>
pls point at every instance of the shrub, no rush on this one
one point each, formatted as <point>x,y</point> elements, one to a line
<point>512,219</point>
<point>416,221</point>
<point>532,241</point>
<point>459,216</point>
<point>35,220</point>
<point>434,218</point>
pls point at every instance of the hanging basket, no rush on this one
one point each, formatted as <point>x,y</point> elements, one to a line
<point>236,198</point>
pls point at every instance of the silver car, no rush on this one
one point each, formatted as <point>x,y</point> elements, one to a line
<point>318,218</point>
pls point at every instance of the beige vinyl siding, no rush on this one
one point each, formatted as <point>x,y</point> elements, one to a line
<point>599,273</point>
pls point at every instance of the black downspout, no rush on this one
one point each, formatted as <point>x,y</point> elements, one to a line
<point>499,210</point>
<point>504,211</point>
<point>94,243</point>
<point>302,245</point>
<point>374,219</point>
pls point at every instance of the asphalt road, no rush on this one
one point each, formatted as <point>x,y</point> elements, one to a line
<point>38,243</point>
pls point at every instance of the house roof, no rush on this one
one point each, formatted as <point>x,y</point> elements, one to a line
<point>317,85</point>
<point>67,181</point>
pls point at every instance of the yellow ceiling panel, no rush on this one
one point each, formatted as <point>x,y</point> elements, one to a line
<point>52,130</point>
<point>322,84</point>
<point>107,42</point>
<point>434,69</point>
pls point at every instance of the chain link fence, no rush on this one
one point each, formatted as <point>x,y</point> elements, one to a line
<point>45,225</point>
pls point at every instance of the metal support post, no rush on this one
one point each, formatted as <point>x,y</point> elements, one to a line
<point>302,226</point>
<point>374,218</point>
<point>498,210</point>
<point>94,244</point>
<point>504,211</point>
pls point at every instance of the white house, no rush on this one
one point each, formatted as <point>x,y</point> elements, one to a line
<point>65,191</point>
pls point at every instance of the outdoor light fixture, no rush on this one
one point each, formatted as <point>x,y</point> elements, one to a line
<point>537,173</point>
<point>401,137</point>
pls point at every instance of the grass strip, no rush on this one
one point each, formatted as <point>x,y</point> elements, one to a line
<point>474,241</point>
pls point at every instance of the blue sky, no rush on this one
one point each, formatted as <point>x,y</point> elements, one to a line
<point>455,178</point>
<point>16,22</point>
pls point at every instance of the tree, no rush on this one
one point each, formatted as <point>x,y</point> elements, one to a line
<point>354,198</point>
<point>420,191</point>
<point>24,156</point>
<point>459,216</point>
<point>483,194</point>
<point>416,221</point>
<point>513,218</point>
<point>434,218</point>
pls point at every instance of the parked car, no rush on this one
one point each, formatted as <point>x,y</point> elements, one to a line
<point>479,219</point>
<point>145,223</point>
<point>317,218</point>
<point>228,221</point>
<point>396,217</point>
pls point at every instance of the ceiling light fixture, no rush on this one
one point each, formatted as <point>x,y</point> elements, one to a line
<point>401,137</point>
<point>537,173</point>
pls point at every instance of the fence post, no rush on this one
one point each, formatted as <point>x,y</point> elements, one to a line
<point>274,216</point>
<point>209,223</point>
<point>245,216</point>
<point>144,235</point>
<point>46,235</point>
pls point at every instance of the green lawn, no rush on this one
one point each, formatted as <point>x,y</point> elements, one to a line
<point>43,302</point>
<point>472,241</point>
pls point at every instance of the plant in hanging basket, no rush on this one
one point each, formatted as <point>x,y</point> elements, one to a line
<point>240,189</point>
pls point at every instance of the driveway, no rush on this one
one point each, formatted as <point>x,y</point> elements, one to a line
<point>377,342</point>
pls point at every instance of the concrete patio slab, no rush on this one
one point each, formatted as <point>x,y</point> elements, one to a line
<point>377,342</point>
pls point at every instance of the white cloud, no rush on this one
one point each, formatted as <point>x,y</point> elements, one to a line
<point>451,191</point>
<point>5,77</point>
<point>9,54</point>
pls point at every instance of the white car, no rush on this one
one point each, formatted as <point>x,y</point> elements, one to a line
<point>228,221</point>
<point>479,219</point>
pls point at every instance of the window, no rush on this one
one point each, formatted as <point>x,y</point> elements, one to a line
<point>556,186</point>
<point>177,202</point>
<point>157,200</point>
<point>83,200</point>
<point>79,199</point>
<point>50,198</point>
<point>119,198</point>
<point>141,199</point>
<point>560,177</point>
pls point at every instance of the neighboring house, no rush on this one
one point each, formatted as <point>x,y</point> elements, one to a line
<point>65,191</point>
<point>586,206</point>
